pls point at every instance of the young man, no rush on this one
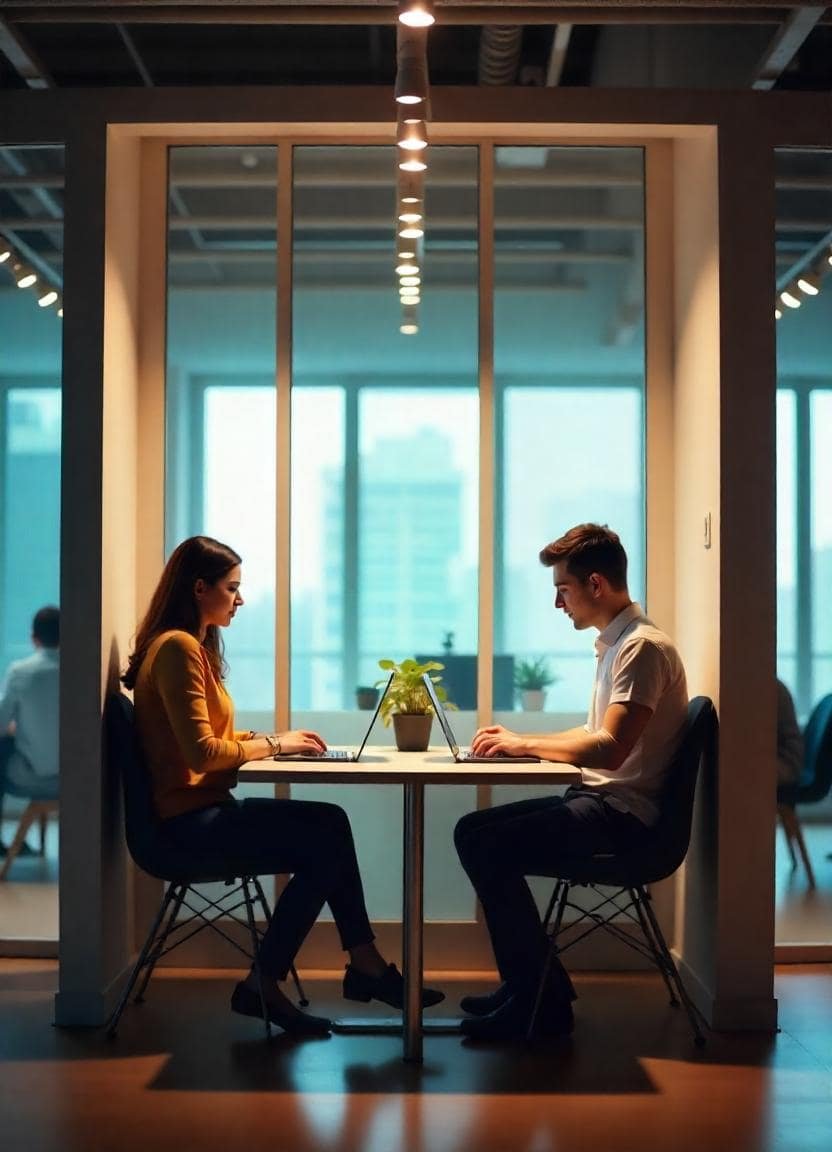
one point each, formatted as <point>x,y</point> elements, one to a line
<point>636,719</point>
<point>29,717</point>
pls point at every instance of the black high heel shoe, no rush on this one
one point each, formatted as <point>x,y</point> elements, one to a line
<point>388,988</point>
<point>295,1023</point>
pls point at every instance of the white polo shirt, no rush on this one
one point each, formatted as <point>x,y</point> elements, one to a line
<point>638,662</point>
<point>29,697</point>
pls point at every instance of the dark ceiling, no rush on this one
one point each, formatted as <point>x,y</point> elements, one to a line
<point>222,204</point>
<point>713,43</point>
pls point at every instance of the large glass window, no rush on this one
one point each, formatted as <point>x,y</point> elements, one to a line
<point>220,396</point>
<point>569,374</point>
<point>386,459</point>
<point>384,424</point>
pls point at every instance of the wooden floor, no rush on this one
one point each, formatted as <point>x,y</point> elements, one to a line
<point>185,1074</point>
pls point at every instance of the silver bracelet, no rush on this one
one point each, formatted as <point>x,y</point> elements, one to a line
<point>274,745</point>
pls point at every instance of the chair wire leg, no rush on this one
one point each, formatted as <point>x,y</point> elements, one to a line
<point>637,900</point>
<point>787,824</point>
<point>560,894</point>
<point>179,894</point>
<point>245,882</point>
<point>115,1017</point>
<point>303,1000</point>
<point>691,1009</point>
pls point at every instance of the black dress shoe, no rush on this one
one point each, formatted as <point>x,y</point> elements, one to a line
<point>300,1025</point>
<point>482,1005</point>
<point>389,988</point>
<point>511,1022</point>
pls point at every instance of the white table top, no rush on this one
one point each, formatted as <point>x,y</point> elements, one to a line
<point>389,766</point>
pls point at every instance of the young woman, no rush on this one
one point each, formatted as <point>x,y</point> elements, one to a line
<point>185,720</point>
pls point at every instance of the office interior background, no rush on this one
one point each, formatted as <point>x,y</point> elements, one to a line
<point>274,250</point>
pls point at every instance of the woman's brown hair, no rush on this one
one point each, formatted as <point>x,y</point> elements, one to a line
<point>174,603</point>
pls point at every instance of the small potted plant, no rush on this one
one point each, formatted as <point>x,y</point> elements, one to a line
<point>407,703</point>
<point>366,697</point>
<point>531,679</point>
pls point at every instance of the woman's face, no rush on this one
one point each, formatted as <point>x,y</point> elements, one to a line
<point>218,602</point>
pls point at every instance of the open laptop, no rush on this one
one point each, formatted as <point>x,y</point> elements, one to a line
<point>464,755</point>
<point>341,754</point>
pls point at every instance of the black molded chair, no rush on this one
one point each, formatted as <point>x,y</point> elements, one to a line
<point>814,783</point>
<point>182,870</point>
<point>628,873</point>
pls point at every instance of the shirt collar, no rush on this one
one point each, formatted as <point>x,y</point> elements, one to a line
<point>617,626</point>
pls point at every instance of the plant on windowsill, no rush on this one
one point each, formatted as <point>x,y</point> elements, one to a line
<point>531,679</point>
<point>406,703</point>
<point>366,697</point>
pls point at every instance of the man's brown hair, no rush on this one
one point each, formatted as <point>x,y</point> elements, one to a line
<point>589,548</point>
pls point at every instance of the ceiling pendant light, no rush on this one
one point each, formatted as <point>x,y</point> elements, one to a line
<point>411,66</point>
<point>410,188</point>
<point>48,297</point>
<point>809,283</point>
<point>409,325</point>
<point>416,13</point>
<point>412,164</point>
<point>789,299</point>
<point>412,135</point>
<point>23,275</point>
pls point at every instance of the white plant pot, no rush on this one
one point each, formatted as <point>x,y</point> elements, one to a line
<point>533,699</point>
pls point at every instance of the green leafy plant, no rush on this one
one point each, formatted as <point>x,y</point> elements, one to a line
<point>533,674</point>
<point>407,691</point>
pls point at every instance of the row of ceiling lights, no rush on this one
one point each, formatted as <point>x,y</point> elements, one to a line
<point>24,277</point>
<point>804,285</point>
<point>411,92</point>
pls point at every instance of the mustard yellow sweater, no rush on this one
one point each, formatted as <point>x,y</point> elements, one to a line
<point>185,721</point>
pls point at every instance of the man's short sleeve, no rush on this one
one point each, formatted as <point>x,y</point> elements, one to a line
<point>639,673</point>
<point>8,700</point>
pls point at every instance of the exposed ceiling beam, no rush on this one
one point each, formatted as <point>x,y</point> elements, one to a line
<point>327,12</point>
<point>207,223</point>
<point>135,56</point>
<point>816,253</point>
<point>786,44</point>
<point>22,57</point>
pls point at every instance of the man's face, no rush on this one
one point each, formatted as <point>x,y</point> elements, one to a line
<point>575,597</point>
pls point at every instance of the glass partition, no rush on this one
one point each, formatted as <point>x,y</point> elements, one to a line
<point>803,309</point>
<point>31,308</point>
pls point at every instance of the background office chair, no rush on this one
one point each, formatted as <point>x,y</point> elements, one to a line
<point>39,810</point>
<point>181,869</point>
<point>813,785</point>
<point>628,873</point>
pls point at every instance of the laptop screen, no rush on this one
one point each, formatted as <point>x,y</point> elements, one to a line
<point>441,714</point>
